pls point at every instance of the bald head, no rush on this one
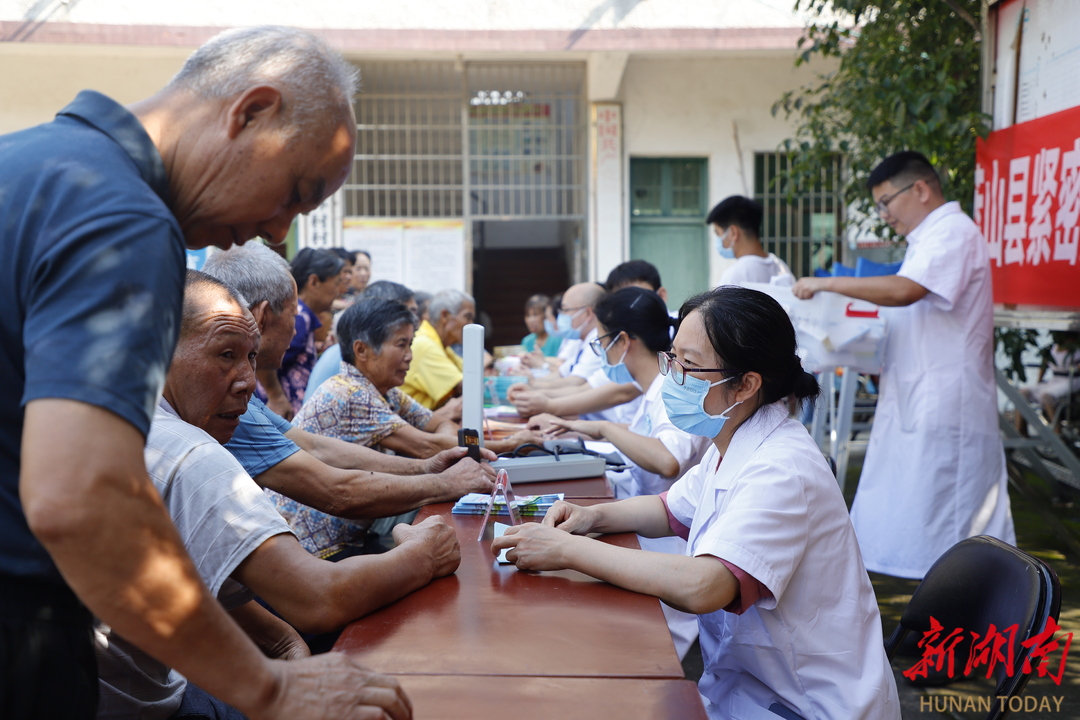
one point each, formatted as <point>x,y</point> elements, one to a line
<point>202,294</point>
<point>579,301</point>
<point>212,374</point>
<point>583,295</point>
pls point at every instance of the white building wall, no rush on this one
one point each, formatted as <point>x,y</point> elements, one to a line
<point>39,79</point>
<point>691,107</point>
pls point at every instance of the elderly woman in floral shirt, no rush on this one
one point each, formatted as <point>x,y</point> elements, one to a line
<point>364,404</point>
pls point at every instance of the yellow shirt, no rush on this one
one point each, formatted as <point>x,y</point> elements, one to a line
<point>435,370</point>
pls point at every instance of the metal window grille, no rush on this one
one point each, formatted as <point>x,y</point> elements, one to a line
<point>474,141</point>
<point>802,229</point>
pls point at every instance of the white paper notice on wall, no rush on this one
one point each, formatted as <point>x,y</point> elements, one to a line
<point>426,255</point>
<point>384,240</point>
<point>435,255</point>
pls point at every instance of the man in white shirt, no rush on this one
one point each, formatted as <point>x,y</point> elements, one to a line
<point>736,220</point>
<point>935,468</point>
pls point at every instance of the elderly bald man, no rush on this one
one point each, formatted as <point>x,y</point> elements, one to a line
<point>239,542</point>
<point>97,207</point>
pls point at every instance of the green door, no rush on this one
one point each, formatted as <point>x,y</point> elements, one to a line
<point>668,199</point>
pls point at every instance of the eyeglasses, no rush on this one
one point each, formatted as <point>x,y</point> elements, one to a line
<point>597,345</point>
<point>882,205</point>
<point>668,364</point>
<point>572,312</point>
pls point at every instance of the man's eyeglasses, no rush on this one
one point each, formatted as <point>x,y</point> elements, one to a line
<point>882,205</point>
<point>597,345</point>
<point>668,364</point>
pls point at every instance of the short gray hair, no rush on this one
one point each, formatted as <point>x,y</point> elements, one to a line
<point>259,273</point>
<point>449,300</point>
<point>318,83</point>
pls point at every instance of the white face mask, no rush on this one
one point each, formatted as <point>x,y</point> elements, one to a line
<point>725,252</point>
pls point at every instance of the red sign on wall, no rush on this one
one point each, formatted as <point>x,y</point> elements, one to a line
<point>1027,204</point>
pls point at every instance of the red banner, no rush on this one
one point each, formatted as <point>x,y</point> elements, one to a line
<point>1027,204</point>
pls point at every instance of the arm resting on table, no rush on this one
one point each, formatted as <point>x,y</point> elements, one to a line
<point>351,456</point>
<point>362,494</point>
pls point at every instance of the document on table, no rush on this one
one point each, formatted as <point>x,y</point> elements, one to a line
<point>499,530</point>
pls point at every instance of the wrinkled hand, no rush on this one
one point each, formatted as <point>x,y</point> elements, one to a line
<point>533,546</point>
<point>591,428</point>
<point>515,389</point>
<point>542,423</point>
<point>807,287</point>
<point>464,475</point>
<point>439,541</point>
<point>332,685</point>
<point>444,460</point>
<point>574,519</point>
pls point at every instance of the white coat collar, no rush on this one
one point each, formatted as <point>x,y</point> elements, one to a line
<point>750,435</point>
<point>949,208</point>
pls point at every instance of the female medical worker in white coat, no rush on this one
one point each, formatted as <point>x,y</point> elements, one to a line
<point>789,622</point>
<point>633,326</point>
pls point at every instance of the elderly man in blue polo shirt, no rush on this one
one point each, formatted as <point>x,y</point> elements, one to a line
<point>95,210</point>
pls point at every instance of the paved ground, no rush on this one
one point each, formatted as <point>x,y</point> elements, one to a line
<point>1048,532</point>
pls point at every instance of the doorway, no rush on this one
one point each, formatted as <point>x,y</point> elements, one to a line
<point>668,206</point>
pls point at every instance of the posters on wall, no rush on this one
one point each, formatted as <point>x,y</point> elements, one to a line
<point>426,255</point>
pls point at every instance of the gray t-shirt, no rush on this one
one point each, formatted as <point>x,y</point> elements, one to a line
<point>222,516</point>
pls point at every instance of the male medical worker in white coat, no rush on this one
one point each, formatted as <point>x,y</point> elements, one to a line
<point>935,468</point>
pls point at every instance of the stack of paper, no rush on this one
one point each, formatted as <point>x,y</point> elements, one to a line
<point>527,505</point>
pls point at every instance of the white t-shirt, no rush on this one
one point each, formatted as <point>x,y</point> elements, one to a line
<point>651,420</point>
<point>757,269</point>
<point>773,509</point>
<point>222,516</point>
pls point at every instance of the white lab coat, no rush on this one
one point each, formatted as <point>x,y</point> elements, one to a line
<point>651,420</point>
<point>773,509</point>
<point>935,468</point>
<point>757,269</point>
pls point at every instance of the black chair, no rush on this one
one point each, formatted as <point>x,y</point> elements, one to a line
<point>977,582</point>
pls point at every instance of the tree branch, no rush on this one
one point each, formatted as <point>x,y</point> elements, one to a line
<point>964,14</point>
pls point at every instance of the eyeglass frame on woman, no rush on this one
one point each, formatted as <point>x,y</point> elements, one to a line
<point>882,205</point>
<point>666,360</point>
<point>599,349</point>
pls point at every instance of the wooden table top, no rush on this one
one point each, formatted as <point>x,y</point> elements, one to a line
<point>475,697</point>
<point>594,487</point>
<point>491,619</point>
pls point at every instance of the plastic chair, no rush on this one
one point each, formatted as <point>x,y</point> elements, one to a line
<point>822,272</point>
<point>980,581</point>
<point>841,270</point>
<point>869,268</point>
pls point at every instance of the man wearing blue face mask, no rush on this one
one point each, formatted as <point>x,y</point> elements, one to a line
<point>736,220</point>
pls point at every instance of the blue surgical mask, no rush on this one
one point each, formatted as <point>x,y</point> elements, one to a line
<point>549,327</point>
<point>617,373</point>
<point>725,252</point>
<point>685,405</point>
<point>566,327</point>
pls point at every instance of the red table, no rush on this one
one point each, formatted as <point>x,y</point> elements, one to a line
<point>480,697</point>
<point>490,619</point>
